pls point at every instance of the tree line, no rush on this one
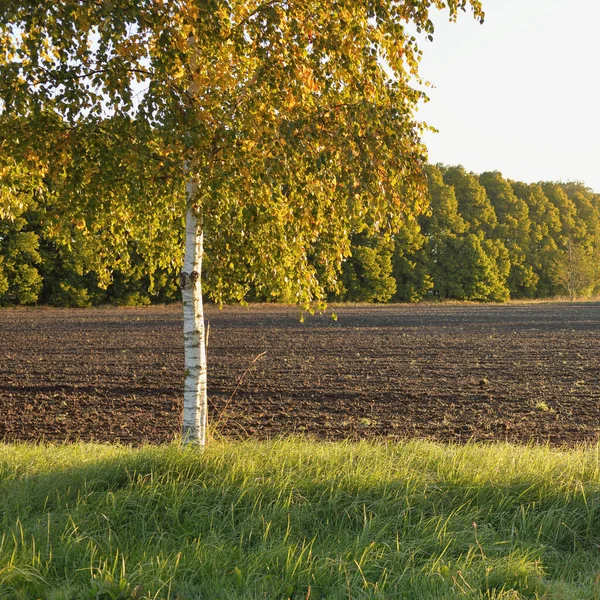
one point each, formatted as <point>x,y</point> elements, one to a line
<point>483,238</point>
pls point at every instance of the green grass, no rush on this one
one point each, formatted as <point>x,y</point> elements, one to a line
<point>295,519</point>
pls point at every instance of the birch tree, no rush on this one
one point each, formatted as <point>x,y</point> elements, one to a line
<point>275,127</point>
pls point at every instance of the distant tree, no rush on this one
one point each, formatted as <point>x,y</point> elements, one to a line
<point>64,282</point>
<point>586,201</point>
<point>20,280</point>
<point>442,226</point>
<point>578,271</point>
<point>410,263</point>
<point>467,262</point>
<point>512,230</point>
<point>494,272</point>
<point>443,217</point>
<point>544,236</point>
<point>474,206</point>
<point>469,268</point>
<point>572,229</point>
<point>367,273</point>
<point>579,268</point>
<point>573,244</point>
<point>587,204</point>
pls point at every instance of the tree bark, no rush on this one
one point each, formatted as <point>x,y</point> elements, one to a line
<point>195,405</point>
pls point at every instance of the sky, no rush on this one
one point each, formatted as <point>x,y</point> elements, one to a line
<point>519,94</point>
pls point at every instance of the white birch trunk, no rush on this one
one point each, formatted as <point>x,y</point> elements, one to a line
<point>195,406</point>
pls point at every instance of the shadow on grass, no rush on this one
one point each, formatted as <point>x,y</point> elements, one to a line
<point>296,520</point>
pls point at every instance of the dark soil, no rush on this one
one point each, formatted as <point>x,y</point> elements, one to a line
<point>517,372</point>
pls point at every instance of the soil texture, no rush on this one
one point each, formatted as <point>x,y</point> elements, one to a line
<point>517,372</point>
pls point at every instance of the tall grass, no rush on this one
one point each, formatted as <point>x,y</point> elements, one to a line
<point>296,519</point>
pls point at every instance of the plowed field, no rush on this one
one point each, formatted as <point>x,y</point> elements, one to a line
<point>515,372</point>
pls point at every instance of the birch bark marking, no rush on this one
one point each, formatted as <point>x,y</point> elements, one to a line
<point>195,404</point>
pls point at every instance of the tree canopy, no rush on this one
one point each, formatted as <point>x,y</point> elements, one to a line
<point>295,119</point>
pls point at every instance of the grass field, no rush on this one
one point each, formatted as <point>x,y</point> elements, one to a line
<point>298,519</point>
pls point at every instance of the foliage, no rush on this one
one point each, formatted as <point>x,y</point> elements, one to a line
<point>578,271</point>
<point>469,268</point>
<point>474,205</point>
<point>530,253</point>
<point>294,119</point>
<point>410,267</point>
<point>544,231</point>
<point>367,273</point>
<point>20,280</point>
<point>513,231</point>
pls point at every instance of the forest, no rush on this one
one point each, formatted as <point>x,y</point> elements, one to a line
<point>482,238</point>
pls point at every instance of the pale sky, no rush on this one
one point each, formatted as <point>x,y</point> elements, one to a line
<point>519,94</point>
